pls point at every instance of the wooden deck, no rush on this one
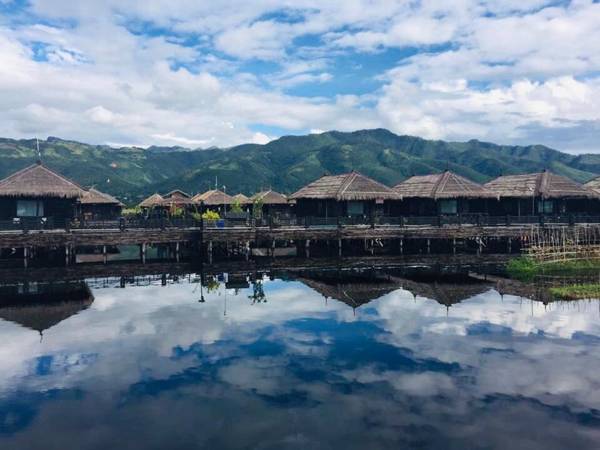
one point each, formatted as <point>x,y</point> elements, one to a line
<point>61,238</point>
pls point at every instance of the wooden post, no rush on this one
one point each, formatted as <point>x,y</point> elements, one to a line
<point>177,251</point>
<point>25,256</point>
<point>307,248</point>
<point>402,246</point>
<point>428,246</point>
<point>340,247</point>
<point>104,255</point>
<point>273,249</point>
<point>454,246</point>
<point>247,250</point>
<point>143,253</point>
<point>479,246</point>
<point>509,245</point>
<point>67,254</point>
<point>210,252</point>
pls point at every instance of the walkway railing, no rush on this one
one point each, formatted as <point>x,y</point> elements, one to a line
<point>137,223</point>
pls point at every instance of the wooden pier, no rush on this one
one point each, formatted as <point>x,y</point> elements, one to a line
<point>239,240</point>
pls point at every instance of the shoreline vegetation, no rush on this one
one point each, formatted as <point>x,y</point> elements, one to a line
<point>526,269</point>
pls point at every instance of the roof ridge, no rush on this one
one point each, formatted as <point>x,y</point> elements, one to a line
<point>346,184</point>
<point>442,179</point>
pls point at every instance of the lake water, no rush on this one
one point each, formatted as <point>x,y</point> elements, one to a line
<point>298,364</point>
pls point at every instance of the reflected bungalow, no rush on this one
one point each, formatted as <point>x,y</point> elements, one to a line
<point>347,195</point>
<point>439,194</point>
<point>540,193</point>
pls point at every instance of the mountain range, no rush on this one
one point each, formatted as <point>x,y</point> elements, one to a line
<point>284,164</point>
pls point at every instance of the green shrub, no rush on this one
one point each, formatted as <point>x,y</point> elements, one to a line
<point>211,215</point>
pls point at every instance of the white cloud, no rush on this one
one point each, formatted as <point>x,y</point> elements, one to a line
<point>522,72</point>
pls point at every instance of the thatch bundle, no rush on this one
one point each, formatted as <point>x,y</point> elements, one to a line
<point>349,186</point>
<point>446,185</point>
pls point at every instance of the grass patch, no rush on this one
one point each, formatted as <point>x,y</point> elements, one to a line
<point>576,291</point>
<point>525,268</point>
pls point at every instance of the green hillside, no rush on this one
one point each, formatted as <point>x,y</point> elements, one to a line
<point>286,163</point>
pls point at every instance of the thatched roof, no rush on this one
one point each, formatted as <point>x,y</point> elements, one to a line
<point>349,186</point>
<point>39,181</point>
<point>213,197</point>
<point>177,194</point>
<point>543,184</point>
<point>242,199</point>
<point>440,186</point>
<point>270,198</point>
<point>594,185</point>
<point>152,201</point>
<point>95,197</point>
<point>177,198</point>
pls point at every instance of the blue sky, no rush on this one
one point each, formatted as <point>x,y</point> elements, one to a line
<point>223,72</point>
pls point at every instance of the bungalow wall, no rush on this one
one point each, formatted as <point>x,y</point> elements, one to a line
<point>276,210</point>
<point>429,207</point>
<point>59,209</point>
<point>535,206</point>
<point>334,208</point>
<point>100,212</point>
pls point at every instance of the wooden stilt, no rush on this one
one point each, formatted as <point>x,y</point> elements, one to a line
<point>210,252</point>
<point>104,255</point>
<point>25,257</point>
<point>177,251</point>
<point>340,248</point>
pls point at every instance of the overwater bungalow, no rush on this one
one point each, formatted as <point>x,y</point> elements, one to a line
<point>178,200</point>
<point>39,306</point>
<point>152,205</point>
<point>347,195</point>
<point>540,193</point>
<point>38,192</point>
<point>443,193</point>
<point>96,205</point>
<point>214,200</point>
<point>271,203</point>
<point>241,199</point>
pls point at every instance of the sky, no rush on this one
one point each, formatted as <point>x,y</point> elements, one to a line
<point>223,72</point>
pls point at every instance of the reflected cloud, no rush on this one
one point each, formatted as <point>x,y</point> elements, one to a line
<point>383,367</point>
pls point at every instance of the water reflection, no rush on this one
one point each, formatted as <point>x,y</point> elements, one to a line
<point>321,360</point>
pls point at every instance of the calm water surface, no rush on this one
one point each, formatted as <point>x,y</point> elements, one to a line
<point>152,367</point>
